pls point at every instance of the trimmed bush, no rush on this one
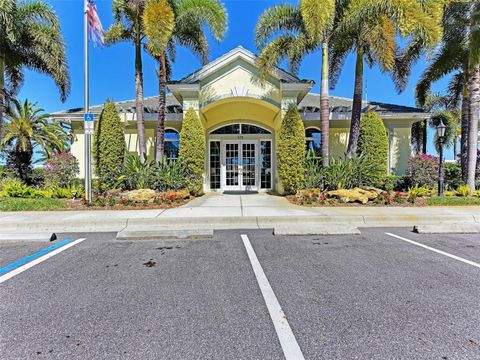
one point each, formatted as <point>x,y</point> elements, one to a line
<point>61,170</point>
<point>423,170</point>
<point>373,144</point>
<point>453,175</point>
<point>192,152</point>
<point>291,151</point>
<point>109,147</point>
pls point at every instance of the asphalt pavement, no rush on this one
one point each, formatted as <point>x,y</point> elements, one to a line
<point>368,296</point>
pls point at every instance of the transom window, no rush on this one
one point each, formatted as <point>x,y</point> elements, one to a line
<point>240,129</point>
<point>313,142</point>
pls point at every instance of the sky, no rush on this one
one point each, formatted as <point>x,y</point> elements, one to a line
<point>112,68</point>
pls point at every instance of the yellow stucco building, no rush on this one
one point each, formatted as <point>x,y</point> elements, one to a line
<point>241,116</point>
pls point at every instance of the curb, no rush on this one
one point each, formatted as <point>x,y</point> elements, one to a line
<point>165,234</point>
<point>315,230</point>
<point>447,229</point>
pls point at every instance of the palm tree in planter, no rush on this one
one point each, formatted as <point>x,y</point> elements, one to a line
<point>169,23</point>
<point>30,37</point>
<point>292,32</point>
<point>370,29</point>
<point>28,129</point>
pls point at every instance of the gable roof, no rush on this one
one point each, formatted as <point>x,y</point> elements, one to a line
<point>237,53</point>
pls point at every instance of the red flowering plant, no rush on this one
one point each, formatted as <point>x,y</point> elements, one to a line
<point>61,170</point>
<point>423,170</point>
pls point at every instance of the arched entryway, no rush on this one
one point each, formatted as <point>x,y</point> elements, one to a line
<point>240,157</point>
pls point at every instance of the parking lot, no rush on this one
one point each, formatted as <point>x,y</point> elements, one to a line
<point>384,294</point>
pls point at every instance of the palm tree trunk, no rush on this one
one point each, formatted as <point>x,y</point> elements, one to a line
<point>2,93</point>
<point>356,106</point>
<point>142,147</point>
<point>455,148</point>
<point>464,138</point>
<point>162,92</point>
<point>474,102</point>
<point>424,136</point>
<point>325,107</point>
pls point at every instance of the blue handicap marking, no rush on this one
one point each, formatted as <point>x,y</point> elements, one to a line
<point>88,117</point>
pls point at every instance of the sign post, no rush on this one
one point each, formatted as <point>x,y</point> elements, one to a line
<point>89,128</point>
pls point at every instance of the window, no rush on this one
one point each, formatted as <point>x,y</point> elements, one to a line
<point>172,144</point>
<point>214,165</point>
<point>313,142</point>
<point>240,129</point>
<point>265,164</point>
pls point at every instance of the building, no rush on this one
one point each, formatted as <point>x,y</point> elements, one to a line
<point>241,115</point>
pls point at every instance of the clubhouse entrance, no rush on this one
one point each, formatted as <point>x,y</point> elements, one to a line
<point>240,158</point>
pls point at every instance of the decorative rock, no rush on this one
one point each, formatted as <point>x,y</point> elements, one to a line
<point>140,195</point>
<point>353,195</point>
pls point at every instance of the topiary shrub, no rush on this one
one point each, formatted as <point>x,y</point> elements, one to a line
<point>291,151</point>
<point>192,150</point>
<point>452,175</point>
<point>109,147</point>
<point>373,144</point>
<point>61,170</point>
<point>423,170</point>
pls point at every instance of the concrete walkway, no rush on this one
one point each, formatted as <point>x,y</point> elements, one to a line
<point>233,211</point>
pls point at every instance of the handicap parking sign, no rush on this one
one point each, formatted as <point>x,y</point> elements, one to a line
<point>88,123</point>
<point>88,117</point>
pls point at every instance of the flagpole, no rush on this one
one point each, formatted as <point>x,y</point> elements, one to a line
<point>88,136</point>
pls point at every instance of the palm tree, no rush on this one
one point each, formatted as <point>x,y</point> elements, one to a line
<point>27,129</point>
<point>128,26</point>
<point>370,29</point>
<point>292,32</point>
<point>459,53</point>
<point>174,22</point>
<point>30,37</point>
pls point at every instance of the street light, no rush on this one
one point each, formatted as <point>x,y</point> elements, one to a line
<point>441,137</point>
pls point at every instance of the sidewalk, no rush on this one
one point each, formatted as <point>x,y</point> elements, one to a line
<point>217,211</point>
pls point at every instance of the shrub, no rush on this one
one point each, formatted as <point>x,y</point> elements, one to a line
<point>291,151</point>
<point>169,175</point>
<point>15,188</point>
<point>192,150</point>
<point>373,144</point>
<point>392,182</point>
<point>61,170</point>
<point>452,175</point>
<point>423,170</point>
<point>348,174</point>
<point>313,172</point>
<point>464,191</point>
<point>37,177</point>
<point>137,173</point>
<point>419,191</point>
<point>109,147</point>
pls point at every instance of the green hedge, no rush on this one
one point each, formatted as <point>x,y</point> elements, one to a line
<point>373,144</point>
<point>192,152</point>
<point>291,151</point>
<point>109,147</point>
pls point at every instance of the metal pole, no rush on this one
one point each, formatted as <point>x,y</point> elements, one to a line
<point>88,137</point>
<point>440,170</point>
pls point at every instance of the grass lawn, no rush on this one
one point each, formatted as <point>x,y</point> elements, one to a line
<point>20,204</point>
<point>453,201</point>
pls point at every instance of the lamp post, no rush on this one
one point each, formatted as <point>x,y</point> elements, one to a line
<point>441,136</point>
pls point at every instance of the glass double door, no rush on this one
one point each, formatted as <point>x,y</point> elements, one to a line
<point>240,165</point>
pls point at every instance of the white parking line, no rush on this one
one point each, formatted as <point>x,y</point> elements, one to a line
<point>289,344</point>
<point>436,250</point>
<point>38,260</point>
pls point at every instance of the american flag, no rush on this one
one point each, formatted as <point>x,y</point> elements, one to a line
<point>95,29</point>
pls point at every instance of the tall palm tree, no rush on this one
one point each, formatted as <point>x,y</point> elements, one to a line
<point>459,53</point>
<point>370,29</point>
<point>292,32</point>
<point>182,23</point>
<point>128,26</point>
<point>30,37</point>
<point>28,129</point>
